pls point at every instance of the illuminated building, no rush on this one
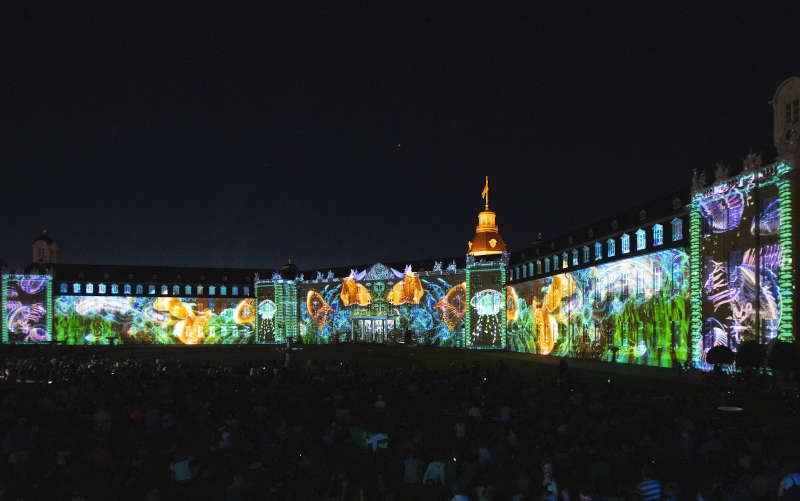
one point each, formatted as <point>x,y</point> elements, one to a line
<point>658,285</point>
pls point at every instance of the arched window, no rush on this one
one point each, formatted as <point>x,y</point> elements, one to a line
<point>658,235</point>
<point>611,249</point>
<point>246,290</point>
<point>524,271</point>
<point>114,289</point>
<point>212,290</point>
<point>89,288</point>
<point>126,289</point>
<point>63,289</point>
<point>223,290</point>
<point>164,290</point>
<point>139,289</point>
<point>574,257</point>
<point>585,254</point>
<point>657,278</point>
<point>547,266</point>
<point>199,290</point>
<point>187,290</point>
<point>516,273</point>
<point>641,239</point>
<point>598,251</point>
<point>565,259</point>
<point>76,288</point>
<point>176,290</point>
<point>235,290</point>
<point>677,229</point>
<point>625,241</point>
<point>530,269</point>
<point>555,262</point>
<point>101,288</point>
<point>151,289</point>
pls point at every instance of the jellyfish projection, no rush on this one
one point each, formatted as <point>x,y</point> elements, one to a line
<point>354,294</point>
<point>453,306</point>
<point>25,309</point>
<point>407,291</point>
<point>267,309</point>
<point>318,309</point>
<point>487,302</point>
<point>32,284</point>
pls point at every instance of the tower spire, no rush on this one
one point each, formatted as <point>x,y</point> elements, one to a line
<point>485,193</point>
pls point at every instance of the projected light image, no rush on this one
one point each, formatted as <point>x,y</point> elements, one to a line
<point>164,320</point>
<point>742,254</point>
<point>25,318</point>
<point>428,309</point>
<point>636,308</point>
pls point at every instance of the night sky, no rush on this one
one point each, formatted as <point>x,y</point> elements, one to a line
<point>238,138</point>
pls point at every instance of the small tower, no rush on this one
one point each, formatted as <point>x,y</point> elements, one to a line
<point>786,111</point>
<point>45,249</point>
<point>487,240</point>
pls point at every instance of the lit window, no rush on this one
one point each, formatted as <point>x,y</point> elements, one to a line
<point>625,239</point>
<point>565,260</point>
<point>547,266</point>
<point>574,257</point>
<point>235,290</point>
<point>211,290</point>
<point>199,290</point>
<point>530,269</point>
<point>585,254</point>
<point>63,289</point>
<point>677,229</point>
<point>151,289</point>
<point>658,235</point>
<point>139,289</point>
<point>101,288</point>
<point>623,277</point>
<point>598,251</point>
<point>76,288</point>
<point>611,250</point>
<point>641,239</point>
<point>89,288</point>
<point>176,290</point>
<point>555,263</point>
<point>164,290</point>
<point>114,289</point>
<point>639,284</point>
<point>126,289</point>
<point>656,278</point>
<point>246,291</point>
<point>539,267</point>
<point>516,273</point>
<point>524,271</point>
<point>223,290</point>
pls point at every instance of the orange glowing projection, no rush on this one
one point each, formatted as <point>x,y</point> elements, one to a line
<point>318,309</point>
<point>548,326</point>
<point>173,306</point>
<point>408,290</point>
<point>189,327</point>
<point>245,312</point>
<point>354,293</point>
<point>453,305</point>
<point>512,304</point>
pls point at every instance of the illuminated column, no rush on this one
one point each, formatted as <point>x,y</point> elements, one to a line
<point>34,292</point>
<point>695,281</point>
<point>485,319</point>
<point>786,273</point>
<point>276,311</point>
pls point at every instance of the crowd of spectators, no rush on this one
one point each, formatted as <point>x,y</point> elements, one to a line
<point>103,429</point>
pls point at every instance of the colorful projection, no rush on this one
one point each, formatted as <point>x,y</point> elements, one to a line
<point>26,318</point>
<point>741,261</point>
<point>81,320</point>
<point>634,309</point>
<point>420,309</point>
<point>486,317</point>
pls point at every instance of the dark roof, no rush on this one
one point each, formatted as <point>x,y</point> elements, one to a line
<point>162,274</point>
<point>654,211</point>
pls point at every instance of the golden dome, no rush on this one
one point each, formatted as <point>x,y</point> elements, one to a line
<point>487,240</point>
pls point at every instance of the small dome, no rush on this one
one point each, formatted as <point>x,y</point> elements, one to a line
<point>289,271</point>
<point>44,237</point>
<point>487,240</point>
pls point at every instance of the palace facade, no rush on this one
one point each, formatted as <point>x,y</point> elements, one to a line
<point>657,285</point>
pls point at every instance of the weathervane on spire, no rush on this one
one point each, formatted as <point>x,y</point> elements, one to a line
<point>485,192</point>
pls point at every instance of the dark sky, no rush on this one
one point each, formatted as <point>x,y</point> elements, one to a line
<point>241,137</point>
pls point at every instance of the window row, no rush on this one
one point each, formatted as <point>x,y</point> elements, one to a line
<point>601,250</point>
<point>152,290</point>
